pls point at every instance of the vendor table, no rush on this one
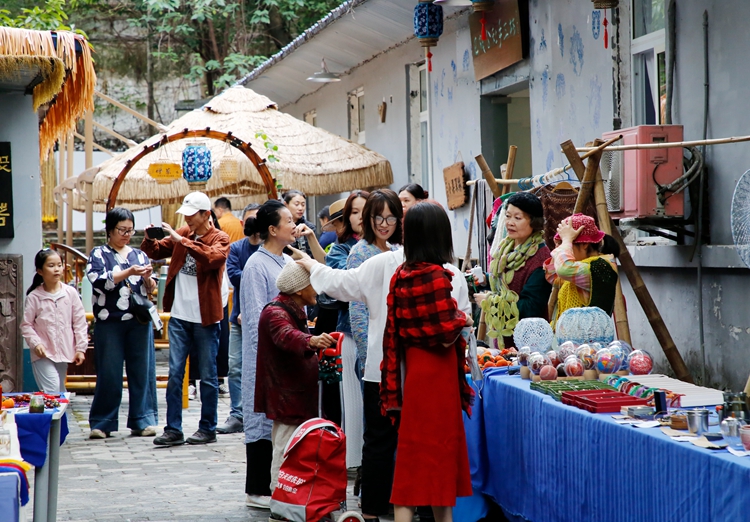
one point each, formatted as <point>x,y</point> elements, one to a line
<point>544,461</point>
<point>40,436</point>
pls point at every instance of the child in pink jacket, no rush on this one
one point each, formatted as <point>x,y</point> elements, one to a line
<point>54,324</point>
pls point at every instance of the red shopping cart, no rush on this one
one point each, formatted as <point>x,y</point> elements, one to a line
<point>312,479</point>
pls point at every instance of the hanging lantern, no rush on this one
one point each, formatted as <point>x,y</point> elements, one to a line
<point>428,26</point>
<point>228,169</point>
<point>165,172</point>
<point>196,165</point>
<point>605,4</point>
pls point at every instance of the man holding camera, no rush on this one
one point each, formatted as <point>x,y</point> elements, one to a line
<point>193,296</point>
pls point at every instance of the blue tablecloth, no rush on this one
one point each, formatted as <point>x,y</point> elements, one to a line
<point>33,431</point>
<point>10,495</point>
<point>544,461</point>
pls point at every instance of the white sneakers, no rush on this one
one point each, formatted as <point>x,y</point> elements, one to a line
<point>258,501</point>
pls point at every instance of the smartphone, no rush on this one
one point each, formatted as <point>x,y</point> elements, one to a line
<point>155,233</point>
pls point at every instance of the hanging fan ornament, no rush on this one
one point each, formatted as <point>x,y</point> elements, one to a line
<point>605,4</point>
<point>428,26</point>
<point>163,170</point>
<point>196,165</point>
<point>740,218</point>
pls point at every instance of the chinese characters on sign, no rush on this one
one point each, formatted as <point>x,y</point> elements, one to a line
<point>6,192</point>
<point>165,172</point>
<point>455,185</point>
<point>504,43</point>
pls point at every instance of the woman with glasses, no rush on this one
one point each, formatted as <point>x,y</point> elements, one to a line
<point>381,228</point>
<point>115,270</point>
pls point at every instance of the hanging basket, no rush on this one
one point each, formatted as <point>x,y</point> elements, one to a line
<point>165,172</point>
<point>228,169</point>
<point>605,4</point>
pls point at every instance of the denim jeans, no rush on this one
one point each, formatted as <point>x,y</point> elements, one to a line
<point>235,371</point>
<point>183,337</point>
<point>130,342</point>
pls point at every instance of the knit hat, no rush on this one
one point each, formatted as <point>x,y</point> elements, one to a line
<point>527,202</point>
<point>589,234</point>
<point>292,279</point>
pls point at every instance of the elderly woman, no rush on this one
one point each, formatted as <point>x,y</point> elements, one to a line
<point>516,273</point>
<point>115,270</point>
<point>580,272</point>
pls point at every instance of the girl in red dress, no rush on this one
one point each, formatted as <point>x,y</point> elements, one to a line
<point>423,340</point>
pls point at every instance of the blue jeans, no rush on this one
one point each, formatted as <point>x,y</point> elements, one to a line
<point>234,375</point>
<point>130,342</point>
<point>183,337</point>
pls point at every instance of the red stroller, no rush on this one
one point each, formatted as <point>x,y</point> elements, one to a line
<point>312,479</point>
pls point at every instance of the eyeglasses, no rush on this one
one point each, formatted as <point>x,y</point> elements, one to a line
<point>390,220</point>
<point>125,231</point>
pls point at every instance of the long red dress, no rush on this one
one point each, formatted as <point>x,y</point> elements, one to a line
<point>432,462</point>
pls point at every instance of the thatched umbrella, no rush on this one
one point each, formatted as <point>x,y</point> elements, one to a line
<point>309,158</point>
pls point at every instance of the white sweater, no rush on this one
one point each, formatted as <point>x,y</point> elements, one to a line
<point>370,283</point>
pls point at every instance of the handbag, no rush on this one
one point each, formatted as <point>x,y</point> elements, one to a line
<point>140,306</point>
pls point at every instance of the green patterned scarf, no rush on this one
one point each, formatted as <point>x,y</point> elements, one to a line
<point>501,306</point>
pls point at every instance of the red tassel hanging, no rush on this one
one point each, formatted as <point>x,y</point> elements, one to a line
<point>429,60</point>
<point>483,21</point>
<point>606,34</point>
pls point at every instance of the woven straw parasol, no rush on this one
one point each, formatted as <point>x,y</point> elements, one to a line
<point>310,159</point>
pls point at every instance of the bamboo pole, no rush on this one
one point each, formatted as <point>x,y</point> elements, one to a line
<point>60,178</point>
<point>88,131</point>
<point>588,179</point>
<point>510,167</point>
<point>69,194</point>
<point>487,173</point>
<point>130,143</point>
<point>649,307</point>
<point>95,145</point>
<point>130,111</point>
<point>672,144</point>
<point>467,258</point>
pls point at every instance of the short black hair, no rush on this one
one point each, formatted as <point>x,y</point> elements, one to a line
<point>115,217</point>
<point>427,235</point>
<point>325,212</point>
<point>289,195</point>
<point>610,246</point>
<point>374,206</point>
<point>415,190</point>
<point>223,202</point>
<point>269,215</point>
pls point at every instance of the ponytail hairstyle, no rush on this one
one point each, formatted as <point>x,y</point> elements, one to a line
<point>415,190</point>
<point>269,215</point>
<point>39,261</point>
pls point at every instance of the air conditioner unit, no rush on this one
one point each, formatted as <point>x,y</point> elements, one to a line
<point>632,177</point>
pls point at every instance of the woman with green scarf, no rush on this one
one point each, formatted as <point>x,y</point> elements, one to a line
<point>518,287</point>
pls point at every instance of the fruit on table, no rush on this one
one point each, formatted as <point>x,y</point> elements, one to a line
<point>8,403</point>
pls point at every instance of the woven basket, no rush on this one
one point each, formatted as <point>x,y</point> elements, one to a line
<point>228,169</point>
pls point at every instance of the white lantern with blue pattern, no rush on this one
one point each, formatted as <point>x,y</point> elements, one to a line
<point>196,164</point>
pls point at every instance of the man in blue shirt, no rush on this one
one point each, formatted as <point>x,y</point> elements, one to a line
<point>239,253</point>
<point>328,237</point>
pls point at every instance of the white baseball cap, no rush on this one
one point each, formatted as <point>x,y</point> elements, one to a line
<point>194,202</point>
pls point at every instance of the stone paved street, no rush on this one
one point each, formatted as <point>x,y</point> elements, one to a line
<point>128,478</point>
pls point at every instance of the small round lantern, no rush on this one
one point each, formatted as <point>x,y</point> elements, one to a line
<point>228,169</point>
<point>196,165</point>
<point>585,325</point>
<point>533,332</point>
<point>428,26</point>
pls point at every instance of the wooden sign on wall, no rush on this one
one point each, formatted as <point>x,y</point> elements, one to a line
<point>7,229</point>
<point>11,306</point>
<point>504,43</point>
<point>455,185</point>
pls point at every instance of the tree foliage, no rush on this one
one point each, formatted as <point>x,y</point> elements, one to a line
<point>50,16</point>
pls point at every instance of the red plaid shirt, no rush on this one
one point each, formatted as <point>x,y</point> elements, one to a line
<point>421,312</point>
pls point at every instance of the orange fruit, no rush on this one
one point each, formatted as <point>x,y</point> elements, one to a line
<point>489,364</point>
<point>8,403</point>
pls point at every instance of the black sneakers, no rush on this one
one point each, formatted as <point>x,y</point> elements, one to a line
<point>201,437</point>
<point>231,425</point>
<point>170,438</point>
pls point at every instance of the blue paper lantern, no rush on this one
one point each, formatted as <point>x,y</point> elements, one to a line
<point>196,164</point>
<point>428,22</point>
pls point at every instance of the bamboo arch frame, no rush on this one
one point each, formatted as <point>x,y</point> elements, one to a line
<point>226,137</point>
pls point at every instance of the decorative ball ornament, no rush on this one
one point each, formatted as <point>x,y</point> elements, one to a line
<point>585,325</point>
<point>196,165</point>
<point>640,362</point>
<point>553,357</point>
<point>565,349</point>
<point>428,26</point>
<point>608,361</point>
<point>573,366</point>
<point>537,361</point>
<point>533,332</point>
<point>623,349</point>
<point>548,373</point>
<point>587,355</point>
<point>523,356</point>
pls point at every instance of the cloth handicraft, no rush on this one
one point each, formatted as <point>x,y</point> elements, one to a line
<point>501,306</point>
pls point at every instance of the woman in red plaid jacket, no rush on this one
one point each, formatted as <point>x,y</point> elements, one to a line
<point>423,330</point>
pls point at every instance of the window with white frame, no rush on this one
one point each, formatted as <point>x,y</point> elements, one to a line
<point>419,125</point>
<point>311,117</point>
<point>357,115</point>
<point>649,62</point>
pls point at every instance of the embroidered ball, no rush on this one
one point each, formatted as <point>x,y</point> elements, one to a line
<point>523,356</point>
<point>640,362</point>
<point>533,332</point>
<point>587,355</point>
<point>585,325</point>
<point>608,361</point>
<point>565,349</point>
<point>573,366</point>
<point>553,357</point>
<point>624,350</point>
<point>548,373</point>
<point>537,361</point>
